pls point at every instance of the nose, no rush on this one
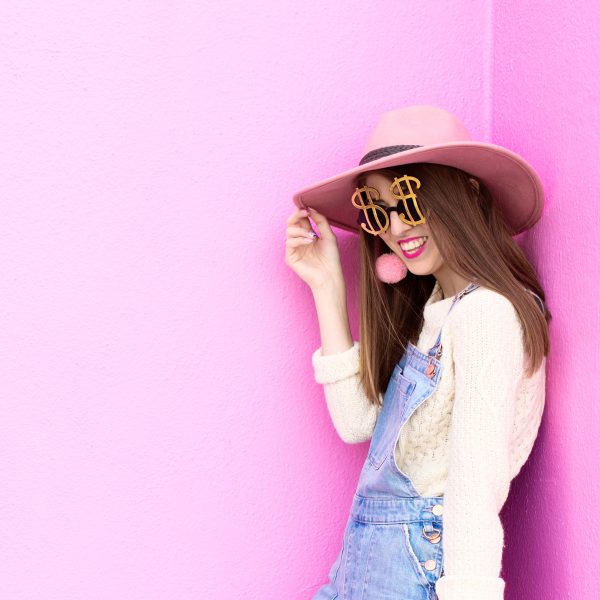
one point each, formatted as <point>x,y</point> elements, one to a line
<point>398,228</point>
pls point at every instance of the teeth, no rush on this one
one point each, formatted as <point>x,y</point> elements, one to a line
<point>414,244</point>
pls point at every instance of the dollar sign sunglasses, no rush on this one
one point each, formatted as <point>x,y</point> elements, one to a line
<point>374,214</point>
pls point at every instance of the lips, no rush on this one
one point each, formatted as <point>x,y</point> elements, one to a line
<point>416,237</point>
<point>414,253</point>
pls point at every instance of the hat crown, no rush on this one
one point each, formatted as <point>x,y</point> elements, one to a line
<point>421,125</point>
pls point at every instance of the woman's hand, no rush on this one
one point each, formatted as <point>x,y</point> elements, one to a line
<point>316,260</point>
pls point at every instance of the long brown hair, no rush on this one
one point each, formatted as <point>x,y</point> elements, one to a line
<point>474,241</point>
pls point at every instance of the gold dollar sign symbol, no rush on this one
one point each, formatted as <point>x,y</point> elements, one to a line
<point>371,210</point>
<point>407,217</point>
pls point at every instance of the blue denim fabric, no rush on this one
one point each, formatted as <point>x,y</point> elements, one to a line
<point>390,550</point>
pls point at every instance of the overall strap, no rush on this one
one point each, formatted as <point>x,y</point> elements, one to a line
<point>539,300</point>
<point>436,349</point>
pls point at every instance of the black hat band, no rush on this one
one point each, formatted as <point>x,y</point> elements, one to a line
<point>384,151</point>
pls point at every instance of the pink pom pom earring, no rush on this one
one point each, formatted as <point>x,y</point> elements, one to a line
<point>390,268</point>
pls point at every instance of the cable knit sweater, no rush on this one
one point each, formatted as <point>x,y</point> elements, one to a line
<point>468,440</point>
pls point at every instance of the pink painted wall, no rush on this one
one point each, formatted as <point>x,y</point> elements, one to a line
<point>546,98</point>
<point>161,433</point>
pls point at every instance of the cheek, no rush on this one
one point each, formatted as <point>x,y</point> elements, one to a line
<point>433,250</point>
<point>385,238</point>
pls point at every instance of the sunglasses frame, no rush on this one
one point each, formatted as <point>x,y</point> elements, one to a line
<point>385,211</point>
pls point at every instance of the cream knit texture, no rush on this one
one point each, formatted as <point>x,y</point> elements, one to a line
<point>468,440</point>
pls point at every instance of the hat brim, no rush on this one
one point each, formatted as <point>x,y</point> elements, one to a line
<point>512,181</point>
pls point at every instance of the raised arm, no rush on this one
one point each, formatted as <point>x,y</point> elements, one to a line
<point>317,261</point>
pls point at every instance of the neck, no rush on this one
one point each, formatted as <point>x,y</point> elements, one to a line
<point>450,282</point>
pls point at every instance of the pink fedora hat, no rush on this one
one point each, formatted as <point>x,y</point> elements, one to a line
<point>430,134</point>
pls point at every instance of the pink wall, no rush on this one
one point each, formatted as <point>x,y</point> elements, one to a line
<point>546,98</point>
<point>161,433</point>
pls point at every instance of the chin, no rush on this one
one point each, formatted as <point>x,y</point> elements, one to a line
<point>420,270</point>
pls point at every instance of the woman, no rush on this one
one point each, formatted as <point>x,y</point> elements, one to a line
<point>448,379</point>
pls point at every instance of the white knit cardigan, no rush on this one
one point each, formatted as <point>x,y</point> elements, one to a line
<point>468,440</point>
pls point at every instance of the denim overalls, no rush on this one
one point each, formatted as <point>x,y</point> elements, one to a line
<point>392,547</point>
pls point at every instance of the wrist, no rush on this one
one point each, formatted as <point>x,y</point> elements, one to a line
<point>331,288</point>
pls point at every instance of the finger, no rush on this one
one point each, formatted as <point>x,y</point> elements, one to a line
<point>296,230</point>
<point>302,221</point>
<point>298,241</point>
<point>322,223</point>
<point>299,217</point>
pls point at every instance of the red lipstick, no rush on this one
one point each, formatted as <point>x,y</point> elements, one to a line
<point>416,252</point>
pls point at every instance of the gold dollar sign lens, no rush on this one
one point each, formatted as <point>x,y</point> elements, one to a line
<point>373,218</point>
<point>412,213</point>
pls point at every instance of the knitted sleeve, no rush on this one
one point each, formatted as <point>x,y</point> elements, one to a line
<point>352,414</point>
<point>488,363</point>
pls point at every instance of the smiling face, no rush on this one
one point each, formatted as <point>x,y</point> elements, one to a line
<point>423,261</point>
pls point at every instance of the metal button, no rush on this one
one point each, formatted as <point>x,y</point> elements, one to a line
<point>438,509</point>
<point>431,534</point>
<point>430,370</point>
<point>429,564</point>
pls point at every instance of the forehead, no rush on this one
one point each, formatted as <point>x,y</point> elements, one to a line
<point>377,180</point>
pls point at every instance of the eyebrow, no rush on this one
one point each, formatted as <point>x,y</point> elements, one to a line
<point>364,183</point>
<point>381,200</point>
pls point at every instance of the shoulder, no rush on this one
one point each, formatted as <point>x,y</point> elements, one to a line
<point>484,301</point>
<point>486,333</point>
<point>485,310</point>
